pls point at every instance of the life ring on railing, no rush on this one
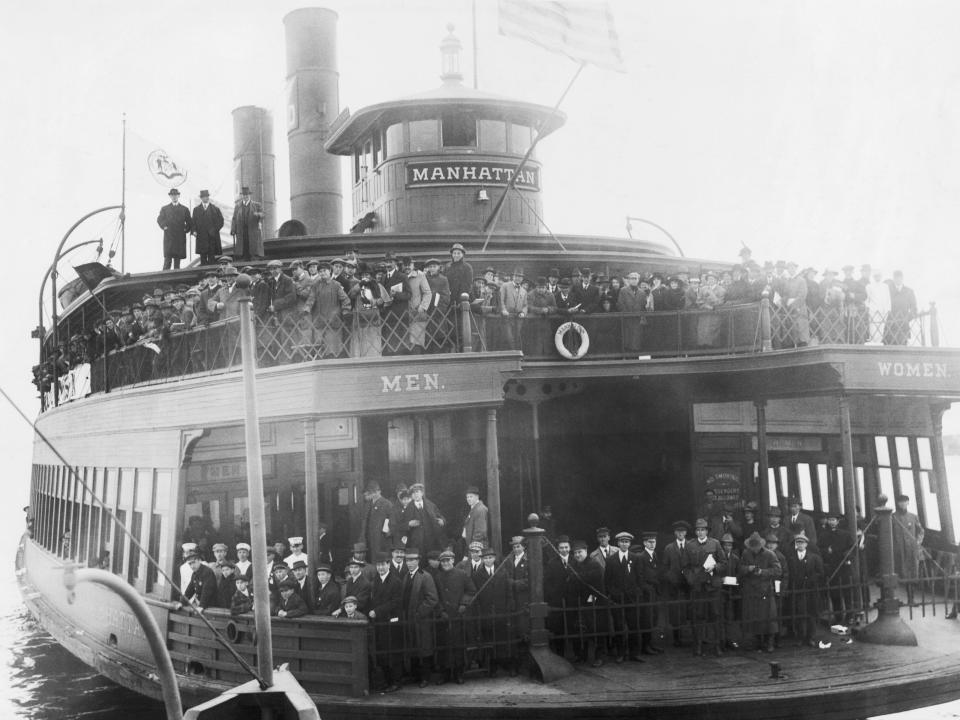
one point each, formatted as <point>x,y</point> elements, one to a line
<point>562,333</point>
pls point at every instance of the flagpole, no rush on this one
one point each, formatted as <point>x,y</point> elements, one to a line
<point>491,223</point>
<point>474,12</point>
<point>123,200</point>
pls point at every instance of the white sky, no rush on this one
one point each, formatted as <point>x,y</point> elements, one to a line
<point>822,131</point>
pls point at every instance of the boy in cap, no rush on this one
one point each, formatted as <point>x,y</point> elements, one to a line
<point>328,594</point>
<point>357,585</point>
<point>242,600</point>
<point>348,609</point>
<point>226,584</point>
<point>290,604</point>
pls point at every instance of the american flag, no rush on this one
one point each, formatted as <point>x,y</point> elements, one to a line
<point>583,31</point>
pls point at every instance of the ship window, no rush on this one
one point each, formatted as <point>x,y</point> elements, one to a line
<point>133,567</point>
<point>520,138</point>
<point>823,484</point>
<point>377,149</point>
<point>159,529</point>
<point>806,485</point>
<point>886,483</point>
<point>923,453</point>
<point>493,136</point>
<point>903,452</point>
<point>930,505</point>
<point>459,130</point>
<point>883,451</point>
<point>861,503</point>
<point>83,527</point>
<point>118,538</point>
<point>393,140</point>
<point>423,135</point>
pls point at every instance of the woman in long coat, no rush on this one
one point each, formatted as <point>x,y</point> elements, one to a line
<point>759,567</point>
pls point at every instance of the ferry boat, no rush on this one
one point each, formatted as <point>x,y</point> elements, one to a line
<point>620,419</point>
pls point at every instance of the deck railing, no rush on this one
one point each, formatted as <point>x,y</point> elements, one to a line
<point>726,330</point>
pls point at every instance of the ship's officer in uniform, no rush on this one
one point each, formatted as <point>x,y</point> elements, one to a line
<point>201,592</point>
<point>296,551</point>
<point>207,222</point>
<point>174,220</point>
<point>244,566</point>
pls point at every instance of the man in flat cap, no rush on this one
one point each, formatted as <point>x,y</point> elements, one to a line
<point>459,273</point>
<point>207,222</point>
<point>280,296</point>
<point>704,566</point>
<point>375,525</point>
<point>417,606</point>
<point>290,604</point>
<point>476,524</point>
<point>513,308</point>
<point>907,544</point>
<point>327,591</point>
<point>805,569</point>
<point>455,591</point>
<point>174,220</point>
<point>245,227</point>
<point>622,581</point>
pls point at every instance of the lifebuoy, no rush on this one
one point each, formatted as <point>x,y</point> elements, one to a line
<point>562,348</point>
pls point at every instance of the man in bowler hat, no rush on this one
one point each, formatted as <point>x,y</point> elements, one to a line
<point>174,220</point>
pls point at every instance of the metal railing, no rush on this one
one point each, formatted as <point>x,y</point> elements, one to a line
<point>726,330</point>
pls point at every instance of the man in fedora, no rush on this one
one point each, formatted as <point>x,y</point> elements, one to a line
<point>174,220</point>
<point>246,229</point>
<point>207,221</point>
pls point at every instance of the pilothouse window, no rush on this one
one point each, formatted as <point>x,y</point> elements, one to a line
<point>459,130</point>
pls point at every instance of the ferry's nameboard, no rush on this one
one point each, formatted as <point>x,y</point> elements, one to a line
<point>470,172</point>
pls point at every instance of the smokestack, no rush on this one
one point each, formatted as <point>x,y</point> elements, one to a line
<point>253,161</point>
<point>313,103</point>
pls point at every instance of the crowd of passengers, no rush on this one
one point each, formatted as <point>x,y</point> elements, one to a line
<point>397,298</point>
<point>440,601</point>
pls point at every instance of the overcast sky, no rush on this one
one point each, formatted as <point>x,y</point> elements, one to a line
<point>819,131</point>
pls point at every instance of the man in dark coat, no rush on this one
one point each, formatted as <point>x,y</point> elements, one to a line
<point>423,521</point>
<point>418,600</point>
<point>290,604</point>
<point>805,569</point>
<point>327,590</point>
<point>207,222</point>
<point>651,574</point>
<point>835,546</point>
<point>174,220</point>
<point>622,581</point>
<point>561,593</point>
<point>356,585</point>
<point>384,609</point>
<point>903,309</point>
<point>375,527</point>
<point>245,228</point>
<point>675,584</point>
<point>798,520</point>
<point>202,590</point>
<point>704,566</point>
<point>459,273</point>
<point>493,603</point>
<point>304,587</point>
<point>455,591</point>
<point>281,291</point>
<point>591,609</point>
<point>758,570</point>
<point>226,584</point>
<point>586,294</point>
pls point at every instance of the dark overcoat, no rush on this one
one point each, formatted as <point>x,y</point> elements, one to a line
<point>419,600</point>
<point>757,572</point>
<point>175,222</point>
<point>207,224</point>
<point>245,228</point>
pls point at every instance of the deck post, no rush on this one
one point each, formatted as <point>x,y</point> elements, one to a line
<point>940,473</point>
<point>537,491</point>
<point>493,481</point>
<point>889,628</point>
<point>258,514</point>
<point>419,450</point>
<point>766,334</point>
<point>548,664</point>
<point>467,336</point>
<point>849,479</point>
<point>763,459</point>
<point>311,495</point>
<point>934,328</point>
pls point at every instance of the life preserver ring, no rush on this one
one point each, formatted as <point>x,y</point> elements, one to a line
<point>561,334</point>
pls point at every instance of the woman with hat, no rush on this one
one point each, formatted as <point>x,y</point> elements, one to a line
<point>710,295</point>
<point>759,568</point>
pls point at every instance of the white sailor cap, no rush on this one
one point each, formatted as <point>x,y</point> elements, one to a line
<point>243,546</point>
<point>298,540</point>
<point>188,547</point>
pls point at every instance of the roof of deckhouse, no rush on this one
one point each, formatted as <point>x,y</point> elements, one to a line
<point>426,104</point>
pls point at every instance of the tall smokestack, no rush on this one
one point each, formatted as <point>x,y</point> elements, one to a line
<point>313,103</point>
<point>253,161</point>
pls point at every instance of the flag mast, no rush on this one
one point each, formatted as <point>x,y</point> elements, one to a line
<point>123,199</point>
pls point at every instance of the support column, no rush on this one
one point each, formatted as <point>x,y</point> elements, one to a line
<point>763,462</point>
<point>940,473</point>
<point>419,450</point>
<point>537,494</point>
<point>493,481</point>
<point>550,665</point>
<point>889,628</point>
<point>311,494</point>
<point>849,478</point>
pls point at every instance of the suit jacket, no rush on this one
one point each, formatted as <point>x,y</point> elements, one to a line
<point>427,535</point>
<point>327,598</point>
<point>371,528</point>
<point>282,294</point>
<point>385,597</point>
<point>566,305</point>
<point>440,291</point>
<point>673,564</point>
<point>804,522</point>
<point>513,299</point>
<point>599,559</point>
<point>241,603</point>
<point>519,581</point>
<point>419,292</point>
<point>245,227</point>
<point>359,587</point>
<point>308,594</point>
<point>202,587</point>
<point>622,578</point>
<point>561,583</point>
<point>454,588</point>
<point>475,525</point>
<point>588,297</point>
<point>176,223</point>
<point>207,224</point>
<point>293,605</point>
<point>650,571</point>
<point>230,297</point>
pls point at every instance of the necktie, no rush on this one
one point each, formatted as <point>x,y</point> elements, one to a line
<point>489,572</point>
